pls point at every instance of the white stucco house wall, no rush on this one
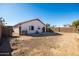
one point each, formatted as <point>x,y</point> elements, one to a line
<point>29,27</point>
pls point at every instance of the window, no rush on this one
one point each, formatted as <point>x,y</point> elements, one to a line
<point>38,27</point>
<point>31,27</point>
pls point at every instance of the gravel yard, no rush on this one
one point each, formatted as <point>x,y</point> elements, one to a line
<point>46,45</point>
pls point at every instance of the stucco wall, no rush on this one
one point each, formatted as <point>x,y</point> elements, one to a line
<point>35,23</point>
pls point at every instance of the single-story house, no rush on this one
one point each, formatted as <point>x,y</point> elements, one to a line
<point>29,27</point>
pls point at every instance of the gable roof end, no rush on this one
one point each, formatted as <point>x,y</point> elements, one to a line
<point>28,21</point>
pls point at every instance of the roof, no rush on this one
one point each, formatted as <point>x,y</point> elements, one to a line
<point>27,22</point>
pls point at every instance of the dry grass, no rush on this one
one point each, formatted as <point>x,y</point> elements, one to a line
<point>66,44</point>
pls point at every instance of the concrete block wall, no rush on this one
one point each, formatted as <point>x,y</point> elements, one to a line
<point>7,31</point>
<point>65,29</point>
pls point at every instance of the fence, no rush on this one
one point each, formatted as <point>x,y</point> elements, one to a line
<point>65,29</point>
<point>7,31</point>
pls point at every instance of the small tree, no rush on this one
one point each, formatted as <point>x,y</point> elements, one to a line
<point>65,25</point>
<point>75,23</point>
<point>47,25</point>
<point>2,21</point>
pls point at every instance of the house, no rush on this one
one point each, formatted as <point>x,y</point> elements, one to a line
<point>29,27</point>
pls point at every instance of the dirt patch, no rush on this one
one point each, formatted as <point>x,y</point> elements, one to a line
<point>65,44</point>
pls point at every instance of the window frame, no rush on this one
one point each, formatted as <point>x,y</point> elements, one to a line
<point>31,27</point>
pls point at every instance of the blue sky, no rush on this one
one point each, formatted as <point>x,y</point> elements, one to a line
<point>52,13</point>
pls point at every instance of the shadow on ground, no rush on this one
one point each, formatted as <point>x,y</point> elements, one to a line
<point>5,48</point>
<point>44,34</point>
<point>15,36</point>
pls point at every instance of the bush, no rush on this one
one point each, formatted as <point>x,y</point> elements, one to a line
<point>49,30</point>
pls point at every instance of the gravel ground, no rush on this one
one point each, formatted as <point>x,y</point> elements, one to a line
<point>63,44</point>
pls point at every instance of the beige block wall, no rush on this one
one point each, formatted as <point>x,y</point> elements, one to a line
<point>7,31</point>
<point>65,29</point>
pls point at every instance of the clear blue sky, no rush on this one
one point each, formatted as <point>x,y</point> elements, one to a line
<point>54,14</point>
